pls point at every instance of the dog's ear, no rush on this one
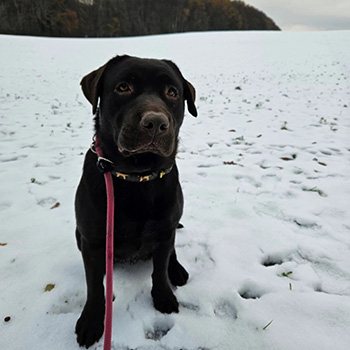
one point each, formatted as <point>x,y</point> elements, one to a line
<point>190,96</point>
<point>189,90</point>
<point>90,85</point>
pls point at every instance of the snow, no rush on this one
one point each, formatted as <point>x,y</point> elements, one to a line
<point>265,172</point>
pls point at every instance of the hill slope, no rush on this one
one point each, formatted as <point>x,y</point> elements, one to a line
<point>265,171</point>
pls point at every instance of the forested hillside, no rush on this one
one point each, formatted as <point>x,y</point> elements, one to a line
<point>111,18</point>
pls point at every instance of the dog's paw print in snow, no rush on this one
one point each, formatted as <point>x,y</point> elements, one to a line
<point>117,347</point>
<point>272,260</point>
<point>296,268</point>
<point>271,209</point>
<point>225,309</point>
<point>248,180</point>
<point>251,290</point>
<point>161,327</point>
<point>190,306</point>
<point>47,202</point>
<point>200,254</point>
<point>68,304</point>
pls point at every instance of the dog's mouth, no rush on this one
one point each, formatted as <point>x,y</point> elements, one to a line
<point>149,148</point>
<point>155,146</point>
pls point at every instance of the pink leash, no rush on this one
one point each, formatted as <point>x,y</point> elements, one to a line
<point>109,255</point>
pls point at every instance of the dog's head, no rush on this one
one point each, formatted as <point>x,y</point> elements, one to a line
<point>141,107</point>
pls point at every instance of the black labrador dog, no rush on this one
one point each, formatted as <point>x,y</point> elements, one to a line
<point>137,122</point>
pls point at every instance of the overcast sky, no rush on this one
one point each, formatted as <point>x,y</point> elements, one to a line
<point>299,15</point>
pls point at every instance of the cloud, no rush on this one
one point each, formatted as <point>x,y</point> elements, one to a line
<point>306,14</point>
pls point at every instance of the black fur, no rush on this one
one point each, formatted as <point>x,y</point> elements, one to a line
<point>137,125</point>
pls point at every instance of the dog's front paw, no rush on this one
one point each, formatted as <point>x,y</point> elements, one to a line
<point>165,301</point>
<point>90,326</point>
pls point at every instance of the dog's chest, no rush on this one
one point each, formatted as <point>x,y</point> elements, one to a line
<point>135,240</point>
<point>143,216</point>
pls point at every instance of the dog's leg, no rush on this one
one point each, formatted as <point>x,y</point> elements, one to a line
<point>78,238</point>
<point>163,298</point>
<point>90,326</point>
<point>177,274</point>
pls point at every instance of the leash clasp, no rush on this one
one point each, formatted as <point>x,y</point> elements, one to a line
<point>104,165</point>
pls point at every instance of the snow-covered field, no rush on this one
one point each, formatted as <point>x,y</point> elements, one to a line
<point>265,170</point>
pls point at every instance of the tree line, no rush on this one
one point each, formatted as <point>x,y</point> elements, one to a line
<point>113,18</point>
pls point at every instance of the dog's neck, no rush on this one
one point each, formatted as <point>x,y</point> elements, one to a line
<point>134,168</point>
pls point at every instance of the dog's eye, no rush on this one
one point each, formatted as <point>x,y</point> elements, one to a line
<point>123,88</point>
<point>172,92</point>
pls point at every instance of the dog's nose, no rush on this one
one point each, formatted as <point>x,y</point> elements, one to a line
<point>155,123</point>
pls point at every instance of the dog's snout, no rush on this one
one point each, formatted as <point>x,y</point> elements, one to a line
<point>155,123</point>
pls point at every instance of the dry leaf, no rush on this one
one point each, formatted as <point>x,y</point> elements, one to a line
<point>56,205</point>
<point>49,287</point>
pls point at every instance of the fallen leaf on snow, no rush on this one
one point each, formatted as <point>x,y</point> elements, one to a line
<point>49,287</point>
<point>56,205</point>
